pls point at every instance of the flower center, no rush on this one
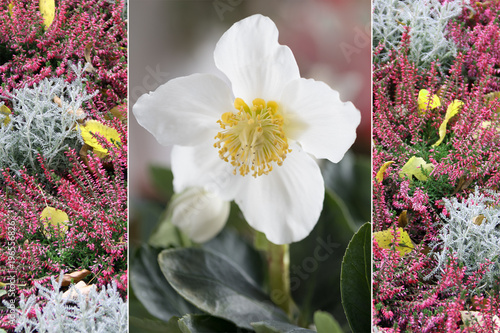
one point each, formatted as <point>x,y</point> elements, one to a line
<point>252,138</point>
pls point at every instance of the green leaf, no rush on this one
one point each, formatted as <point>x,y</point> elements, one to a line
<point>217,286</point>
<point>325,323</point>
<point>167,235</point>
<point>153,290</point>
<point>351,180</point>
<point>271,326</point>
<point>147,325</point>
<point>2,292</point>
<point>230,244</point>
<point>206,324</point>
<point>355,282</point>
<point>144,217</point>
<point>162,179</point>
<point>315,262</point>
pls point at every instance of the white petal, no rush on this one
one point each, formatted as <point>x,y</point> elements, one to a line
<point>253,60</point>
<point>323,124</point>
<point>199,214</point>
<point>201,166</point>
<point>184,110</point>
<point>285,204</point>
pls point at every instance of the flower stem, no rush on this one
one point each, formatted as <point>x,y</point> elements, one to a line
<point>278,259</point>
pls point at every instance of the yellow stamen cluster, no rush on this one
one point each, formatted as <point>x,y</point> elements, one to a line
<point>252,137</point>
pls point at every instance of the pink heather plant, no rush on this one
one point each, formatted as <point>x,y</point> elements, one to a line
<point>468,157</point>
<point>95,200</point>
<point>29,54</point>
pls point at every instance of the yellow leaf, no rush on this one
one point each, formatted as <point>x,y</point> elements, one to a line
<point>94,127</point>
<point>11,5</point>
<point>5,111</point>
<point>48,10</point>
<point>452,110</point>
<point>381,171</point>
<point>426,101</point>
<point>386,240</point>
<point>414,167</point>
<point>55,217</point>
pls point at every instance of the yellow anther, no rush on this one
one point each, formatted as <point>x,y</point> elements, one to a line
<point>252,138</point>
<point>259,103</point>
<point>240,104</point>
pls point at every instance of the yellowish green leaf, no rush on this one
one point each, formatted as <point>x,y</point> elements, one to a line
<point>415,167</point>
<point>452,110</point>
<point>5,111</point>
<point>11,5</point>
<point>56,217</point>
<point>48,10</point>
<point>386,239</point>
<point>492,95</point>
<point>380,174</point>
<point>92,127</point>
<point>426,101</point>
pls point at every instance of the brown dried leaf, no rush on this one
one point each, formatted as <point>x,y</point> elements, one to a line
<point>58,101</point>
<point>75,276</point>
<point>82,287</point>
<point>119,111</point>
<point>471,317</point>
<point>86,54</point>
<point>84,153</point>
<point>478,220</point>
<point>463,183</point>
<point>79,113</point>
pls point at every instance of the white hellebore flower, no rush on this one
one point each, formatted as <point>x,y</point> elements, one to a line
<point>199,214</point>
<point>253,142</point>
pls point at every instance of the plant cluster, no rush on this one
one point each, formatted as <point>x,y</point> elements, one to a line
<point>471,233</point>
<point>427,21</point>
<point>63,161</point>
<point>95,311</point>
<point>39,126</point>
<point>436,204</point>
<point>32,52</point>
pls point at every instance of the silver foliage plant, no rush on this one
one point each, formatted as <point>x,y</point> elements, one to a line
<point>427,21</point>
<point>39,126</point>
<point>102,311</point>
<point>473,244</point>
